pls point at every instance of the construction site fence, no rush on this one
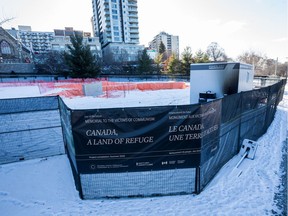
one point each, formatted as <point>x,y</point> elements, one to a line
<point>246,115</point>
<point>258,80</point>
<point>107,77</point>
<point>30,128</point>
<point>34,128</point>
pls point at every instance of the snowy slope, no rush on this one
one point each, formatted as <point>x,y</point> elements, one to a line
<point>46,187</point>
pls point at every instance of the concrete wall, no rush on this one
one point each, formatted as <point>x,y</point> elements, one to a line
<point>17,68</point>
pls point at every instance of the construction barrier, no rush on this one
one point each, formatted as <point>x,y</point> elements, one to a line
<point>30,128</point>
<point>140,151</point>
<point>74,87</point>
<point>149,151</point>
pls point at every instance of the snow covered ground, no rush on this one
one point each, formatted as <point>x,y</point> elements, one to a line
<point>19,92</point>
<point>133,99</point>
<point>46,186</point>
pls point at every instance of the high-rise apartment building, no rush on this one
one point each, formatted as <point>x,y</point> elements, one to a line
<point>62,39</point>
<point>171,43</point>
<point>116,24</point>
<point>37,42</point>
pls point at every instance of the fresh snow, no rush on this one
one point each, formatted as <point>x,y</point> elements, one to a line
<point>46,186</point>
<point>19,92</point>
<point>132,99</point>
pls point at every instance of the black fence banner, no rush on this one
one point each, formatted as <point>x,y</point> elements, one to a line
<point>211,121</point>
<point>202,136</point>
<point>141,139</point>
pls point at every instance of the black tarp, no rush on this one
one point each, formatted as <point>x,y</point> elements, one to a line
<point>29,128</point>
<point>246,115</point>
<point>32,104</point>
<point>222,125</point>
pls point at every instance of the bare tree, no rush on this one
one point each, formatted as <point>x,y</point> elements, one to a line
<point>270,67</point>
<point>108,57</point>
<point>282,69</point>
<point>5,20</point>
<point>216,53</point>
<point>257,59</point>
<point>52,62</point>
<point>122,55</point>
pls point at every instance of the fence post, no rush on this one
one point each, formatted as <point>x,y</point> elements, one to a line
<point>240,121</point>
<point>267,117</point>
<point>197,180</point>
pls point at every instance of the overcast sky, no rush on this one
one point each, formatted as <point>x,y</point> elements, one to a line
<point>236,25</point>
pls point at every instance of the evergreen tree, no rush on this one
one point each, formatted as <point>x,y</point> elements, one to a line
<point>145,63</point>
<point>158,61</point>
<point>187,60</point>
<point>162,48</point>
<point>201,57</point>
<point>173,64</point>
<point>80,59</point>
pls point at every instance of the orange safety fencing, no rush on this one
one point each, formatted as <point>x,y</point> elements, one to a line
<point>74,87</point>
<point>114,86</point>
<point>162,85</point>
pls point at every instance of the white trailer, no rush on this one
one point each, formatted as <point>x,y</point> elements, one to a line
<point>220,78</point>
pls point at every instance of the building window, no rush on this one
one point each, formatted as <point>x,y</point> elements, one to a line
<point>114,1</point>
<point>114,11</point>
<point>117,39</point>
<point>116,34</point>
<point>55,46</point>
<point>115,28</point>
<point>92,47</point>
<point>5,48</point>
<point>115,17</point>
